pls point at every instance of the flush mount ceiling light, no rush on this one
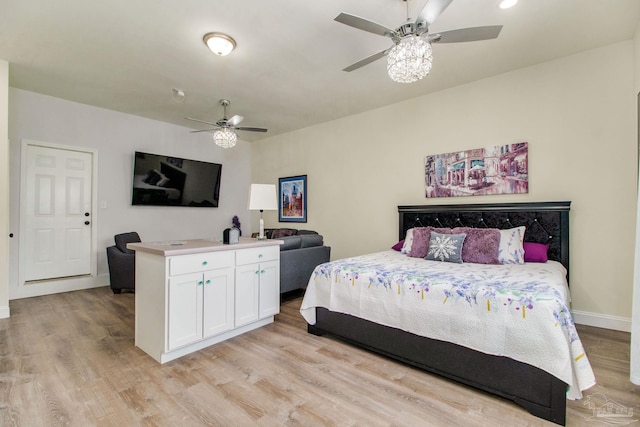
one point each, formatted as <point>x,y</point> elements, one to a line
<point>506,4</point>
<point>219,43</point>
<point>225,138</point>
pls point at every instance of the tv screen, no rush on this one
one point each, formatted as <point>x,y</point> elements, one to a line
<point>171,181</point>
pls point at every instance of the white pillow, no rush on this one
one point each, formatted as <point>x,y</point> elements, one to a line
<point>408,241</point>
<point>163,181</point>
<point>511,250</point>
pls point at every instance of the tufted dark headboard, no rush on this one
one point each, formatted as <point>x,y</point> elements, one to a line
<point>545,222</point>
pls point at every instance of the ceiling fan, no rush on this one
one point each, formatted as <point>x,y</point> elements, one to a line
<point>409,59</point>
<point>224,129</point>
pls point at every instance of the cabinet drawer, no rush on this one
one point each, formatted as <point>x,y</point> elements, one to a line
<point>183,264</point>
<point>254,255</point>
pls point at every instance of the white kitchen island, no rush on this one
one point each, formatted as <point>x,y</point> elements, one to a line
<point>191,294</point>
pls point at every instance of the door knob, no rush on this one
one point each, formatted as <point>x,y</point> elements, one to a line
<point>87,223</point>
<point>86,214</point>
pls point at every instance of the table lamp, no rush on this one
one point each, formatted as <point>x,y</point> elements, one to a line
<point>262,197</point>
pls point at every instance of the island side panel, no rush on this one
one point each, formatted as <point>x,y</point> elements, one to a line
<point>151,303</point>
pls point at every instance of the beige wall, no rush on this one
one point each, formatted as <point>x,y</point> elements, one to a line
<point>635,327</point>
<point>578,115</point>
<point>4,189</point>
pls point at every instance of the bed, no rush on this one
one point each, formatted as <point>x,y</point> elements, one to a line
<point>471,332</point>
<point>163,187</point>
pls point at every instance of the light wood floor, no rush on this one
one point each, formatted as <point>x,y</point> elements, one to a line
<point>70,360</point>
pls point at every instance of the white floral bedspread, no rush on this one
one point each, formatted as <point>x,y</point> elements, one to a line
<point>518,311</point>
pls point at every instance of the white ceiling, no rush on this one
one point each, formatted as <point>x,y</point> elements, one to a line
<point>286,72</point>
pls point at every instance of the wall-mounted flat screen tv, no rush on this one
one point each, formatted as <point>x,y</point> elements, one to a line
<point>171,181</point>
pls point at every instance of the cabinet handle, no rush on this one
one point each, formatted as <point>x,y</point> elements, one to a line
<point>199,282</point>
<point>204,262</point>
<point>261,271</point>
<point>208,282</point>
<point>257,271</point>
<point>259,255</point>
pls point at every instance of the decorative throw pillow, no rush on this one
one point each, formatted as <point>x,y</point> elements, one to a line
<point>163,181</point>
<point>283,232</point>
<point>408,240</point>
<point>421,239</point>
<point>511,246</point>
<point>481,245</point>
<point>154,177</point>
<point>420,244</point>
<point>398,246</point>
<point>445,247</point>
<point>535,252</point>
<point>152,174</point>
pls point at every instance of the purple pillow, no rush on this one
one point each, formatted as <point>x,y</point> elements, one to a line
<point>283,232</point>
<point>421,237</point>
<point>535,252</point>
<point>481,245</point>
<point>398,246</point>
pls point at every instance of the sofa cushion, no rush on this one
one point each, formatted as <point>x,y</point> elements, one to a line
<point>290,242</point>
<point>300,232</point>
<point>309,240</point>
<point>124,238</point>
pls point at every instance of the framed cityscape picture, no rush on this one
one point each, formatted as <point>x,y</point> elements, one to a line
<point>292,199</point>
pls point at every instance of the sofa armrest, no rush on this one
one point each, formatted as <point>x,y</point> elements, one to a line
<point>297,265</point>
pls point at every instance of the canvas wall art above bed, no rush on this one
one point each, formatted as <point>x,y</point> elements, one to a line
<point>477,293</point>
<point>501,169</point>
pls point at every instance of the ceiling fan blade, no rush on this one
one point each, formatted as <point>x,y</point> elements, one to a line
<point>432,10</point>
<point>200,121</point>
<point>203,130</point>
<point>250,129</point>
<point>235,120</point>
<point>363,24</point>
<point>466,34</point>
<point>366,61</point>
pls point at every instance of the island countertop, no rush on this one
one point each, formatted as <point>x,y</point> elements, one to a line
<point>185,247</point>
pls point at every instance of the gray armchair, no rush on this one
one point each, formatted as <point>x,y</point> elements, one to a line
<point>122,263</point>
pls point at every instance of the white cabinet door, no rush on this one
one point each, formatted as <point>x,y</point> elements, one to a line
<point>269,288</point>
<point>247,293</point>
<point>218,301</point>
<point>185,309</point>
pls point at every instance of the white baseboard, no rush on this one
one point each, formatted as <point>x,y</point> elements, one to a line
<point>4,312</point>
<point>602,321</point>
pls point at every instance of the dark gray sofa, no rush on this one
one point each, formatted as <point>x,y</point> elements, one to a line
<point>301,252</point>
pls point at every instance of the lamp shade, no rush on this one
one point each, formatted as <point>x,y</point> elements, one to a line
<point>263,197</point>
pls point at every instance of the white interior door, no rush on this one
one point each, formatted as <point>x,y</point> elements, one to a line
<point>57,206</point>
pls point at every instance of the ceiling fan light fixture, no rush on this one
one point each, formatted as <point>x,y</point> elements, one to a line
<point>507,4</point>
<point>225,138</point>
<point>219,43</point>
<point>409,60</point>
